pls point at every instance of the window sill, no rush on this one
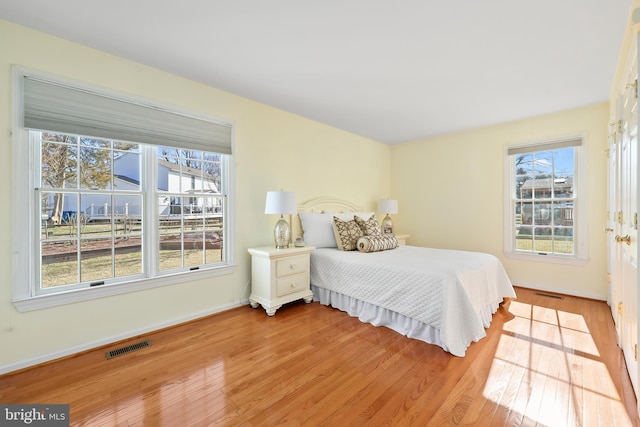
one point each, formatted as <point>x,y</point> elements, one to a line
<point>52,300</point>
<point>552,259</point>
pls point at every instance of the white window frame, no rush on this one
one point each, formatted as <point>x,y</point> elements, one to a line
<point>25,298</point>
<point>581,254</point>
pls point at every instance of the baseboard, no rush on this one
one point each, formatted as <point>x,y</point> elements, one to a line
<point>22,364</point>
<point>562,291</point>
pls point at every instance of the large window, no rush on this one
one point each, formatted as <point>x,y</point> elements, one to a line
<point>107,215</point>
<point>545,200</point>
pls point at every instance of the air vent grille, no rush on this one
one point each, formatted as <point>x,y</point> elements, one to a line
<point>549,295</point>
<point>128,349</point>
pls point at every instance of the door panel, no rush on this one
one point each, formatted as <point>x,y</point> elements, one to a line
<point>614,260</point>
<point>627,241</point>
<point>622,224</point>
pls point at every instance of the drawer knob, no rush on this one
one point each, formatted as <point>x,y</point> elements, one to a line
<point>293,285</point>
<point>292,266</point>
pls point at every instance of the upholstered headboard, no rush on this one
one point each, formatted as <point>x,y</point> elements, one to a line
<point>321,204</point>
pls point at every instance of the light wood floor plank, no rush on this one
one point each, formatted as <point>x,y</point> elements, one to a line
<point>544,362</point>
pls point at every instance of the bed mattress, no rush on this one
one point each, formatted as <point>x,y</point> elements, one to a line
<point>444,297</point>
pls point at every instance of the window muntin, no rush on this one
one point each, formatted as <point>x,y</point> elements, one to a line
<point>93,220</point>
<point>543,199</point>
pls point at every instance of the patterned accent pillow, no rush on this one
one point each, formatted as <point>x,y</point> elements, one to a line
<point>347,234</point>
<point>376,243</point>
<point>369,227</point>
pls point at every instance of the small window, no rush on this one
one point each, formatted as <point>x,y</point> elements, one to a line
<point>544,204</point>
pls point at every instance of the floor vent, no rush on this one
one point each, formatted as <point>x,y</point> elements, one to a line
<point>549,295</point>
<point>128,349</point>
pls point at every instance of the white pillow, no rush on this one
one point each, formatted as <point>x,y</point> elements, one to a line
<point>317,229</point>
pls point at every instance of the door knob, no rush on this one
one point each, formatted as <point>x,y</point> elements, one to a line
<point>626,239</point>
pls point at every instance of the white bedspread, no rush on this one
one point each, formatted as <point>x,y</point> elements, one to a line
<point>454,293</point>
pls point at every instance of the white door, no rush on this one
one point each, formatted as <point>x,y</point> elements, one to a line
<point>614,252</point>
<point>627,223</point>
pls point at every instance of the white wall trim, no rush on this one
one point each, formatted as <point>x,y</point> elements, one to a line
<point>85,294</point>
<point>550,259</point>
<point>26,363</point>
<point>561,291</point>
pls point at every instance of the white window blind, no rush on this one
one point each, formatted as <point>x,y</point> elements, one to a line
<point>56,107</point>
<point>522,149</point>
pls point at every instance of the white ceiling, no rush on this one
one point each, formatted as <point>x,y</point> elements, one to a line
<point>393,71</point>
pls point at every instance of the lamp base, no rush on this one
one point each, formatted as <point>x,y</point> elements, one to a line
<point>387,225</point>
<point>282,233</point>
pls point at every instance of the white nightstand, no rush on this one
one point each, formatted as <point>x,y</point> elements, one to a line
<point>279,276</point>
<point>402,239</point>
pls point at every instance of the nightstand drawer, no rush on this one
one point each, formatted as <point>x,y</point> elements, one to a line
<point>289,285</point>
<point>292,265</point>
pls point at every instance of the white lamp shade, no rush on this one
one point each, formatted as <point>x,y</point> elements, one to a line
<point>388,206</point>
<point>281,202</point>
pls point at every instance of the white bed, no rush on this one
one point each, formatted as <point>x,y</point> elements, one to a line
<point>442,297</point>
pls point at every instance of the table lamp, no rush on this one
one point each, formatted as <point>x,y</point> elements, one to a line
<point>281,202</point>
<point>387,206</point>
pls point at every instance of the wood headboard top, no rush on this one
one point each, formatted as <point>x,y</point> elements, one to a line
<point>329,204</point>
<point>321,205</point>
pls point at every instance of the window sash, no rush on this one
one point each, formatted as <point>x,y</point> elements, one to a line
<point>548,147</point>
<point>578,231</point>
<point>150,252</point>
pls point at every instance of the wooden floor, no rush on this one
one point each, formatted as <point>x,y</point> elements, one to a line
<point>544,362</point>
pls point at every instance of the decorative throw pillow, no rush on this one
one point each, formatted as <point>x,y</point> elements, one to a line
<point>376,243</point>
<point>369,227</point>
<point>347,234</point>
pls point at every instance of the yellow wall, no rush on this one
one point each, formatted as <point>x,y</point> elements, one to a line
<point>449,188</point>
<point>450,194</point>
<point>273,150</point>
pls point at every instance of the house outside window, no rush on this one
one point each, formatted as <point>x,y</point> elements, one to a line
<point>112,215</point>
<point>545,202</point>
